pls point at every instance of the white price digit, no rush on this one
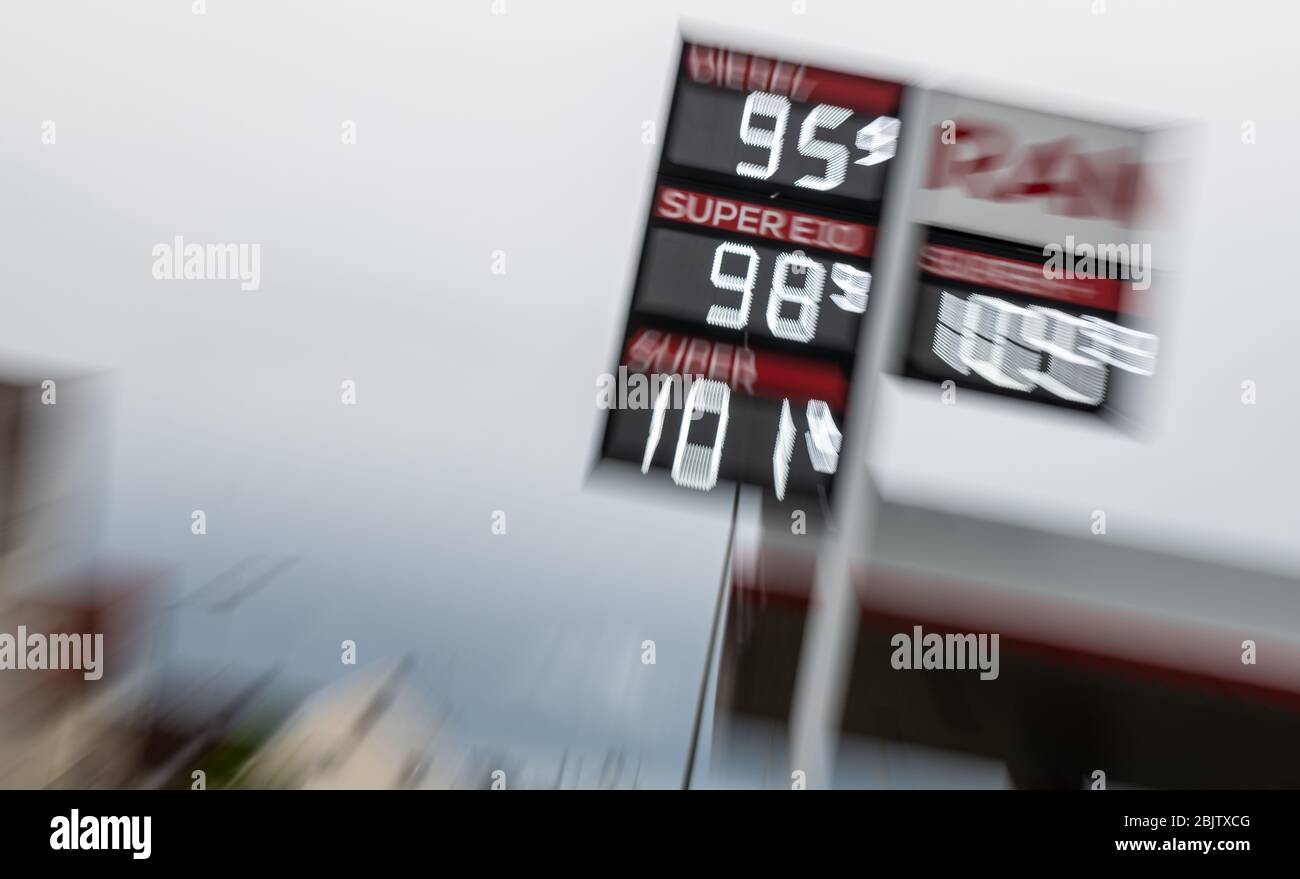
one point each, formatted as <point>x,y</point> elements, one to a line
<point>855,285</point>
<point>880,139</point>
<point>990,343</point>
<point>948,331</point>
<point>808,297</point>
<point>784,450</point>
<point>656,426</point>
<point>1130,350</point>
<point>1005,344</point>
<point>694,465</point>
<point>823,438</point>
<point>1070,374</point>
<point>776,108</point>
<point>729,316</point>
<point>984,335</point>
<point>835,155</point>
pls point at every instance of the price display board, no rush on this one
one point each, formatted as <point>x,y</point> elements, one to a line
<point>755,274</point>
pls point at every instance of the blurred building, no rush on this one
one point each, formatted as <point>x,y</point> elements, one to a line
<point>370,731</point>
<point>58,728</point>
<point>1088,679</point>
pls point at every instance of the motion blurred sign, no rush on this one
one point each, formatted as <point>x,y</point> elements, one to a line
<point>1027,270</point>
<point>755,274</point>
<point>1023,176</point>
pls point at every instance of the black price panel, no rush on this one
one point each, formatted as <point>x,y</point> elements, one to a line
<point>989,317</point>
<point>755,275</point>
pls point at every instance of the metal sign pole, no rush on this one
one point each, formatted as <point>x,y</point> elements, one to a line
<point>831,624</point>
<point>724,585</point>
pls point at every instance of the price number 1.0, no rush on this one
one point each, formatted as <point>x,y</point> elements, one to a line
<point>696,465</point>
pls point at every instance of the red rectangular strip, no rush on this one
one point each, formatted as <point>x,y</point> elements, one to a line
<point>763,221</point>
<point>738,71</point>
<point>1018,276</point>
<point>759,373</point>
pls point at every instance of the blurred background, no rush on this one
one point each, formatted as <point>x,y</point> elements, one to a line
<point>448,201</point>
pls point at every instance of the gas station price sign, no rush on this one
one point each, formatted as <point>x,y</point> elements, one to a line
<point>755,273</point>
<point>1028,282</point>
